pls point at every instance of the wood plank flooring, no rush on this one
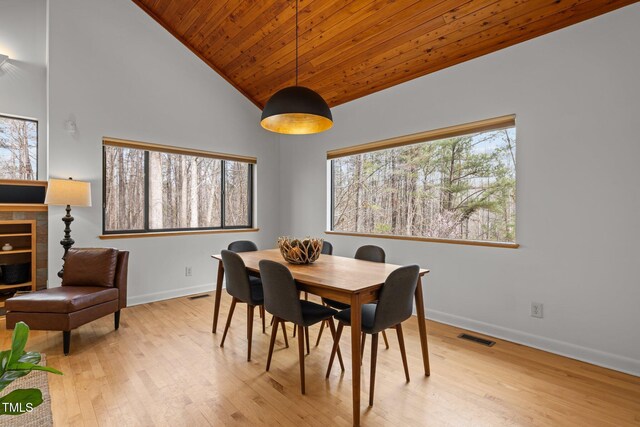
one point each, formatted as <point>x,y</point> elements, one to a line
<point>164,367</point>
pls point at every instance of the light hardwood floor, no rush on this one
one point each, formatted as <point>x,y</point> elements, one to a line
<point>165,367</point>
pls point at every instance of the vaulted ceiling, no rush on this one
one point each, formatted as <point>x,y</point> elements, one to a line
<point>349,49</point>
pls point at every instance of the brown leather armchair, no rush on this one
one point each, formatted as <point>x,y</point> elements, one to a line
<point>94,285</point>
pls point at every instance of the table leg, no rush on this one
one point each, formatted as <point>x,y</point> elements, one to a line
<point>216,306</point>
<point>422,327</point>
<point>356,363</point>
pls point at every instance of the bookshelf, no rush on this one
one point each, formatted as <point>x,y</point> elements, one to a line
<point>21,235</point>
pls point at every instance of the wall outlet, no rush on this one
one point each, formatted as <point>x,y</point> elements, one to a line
<point>187,271</point>
<point>536,310</point>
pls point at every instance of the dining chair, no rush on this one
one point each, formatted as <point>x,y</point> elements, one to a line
<point>327,248</point>
<point>282,301</point>
<point>394,306</point>
<point>242,246</point>
<point>365,253</point>
<point>248,246</point>
<point>244,289</point>
<point>370,253</point>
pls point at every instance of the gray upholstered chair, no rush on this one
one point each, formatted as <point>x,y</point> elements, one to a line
<point>394,306</point>
<point>244,289</point>
<point>248,246</point>
<point>282,301</point>
<point>242,246</point>
<point>327,248</point>
<point>365,253</point>
<point>370,253</point>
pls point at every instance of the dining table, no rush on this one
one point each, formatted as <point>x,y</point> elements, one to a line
<point>348,280</point>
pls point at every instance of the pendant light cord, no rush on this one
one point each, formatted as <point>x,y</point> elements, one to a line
<point>296,42</point>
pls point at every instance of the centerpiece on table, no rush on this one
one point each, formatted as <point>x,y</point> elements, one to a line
<point>300,251</point>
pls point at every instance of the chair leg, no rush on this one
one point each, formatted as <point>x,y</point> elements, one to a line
<point>284,332</point>
<point>66,342</point>
<point>263,315</point>
<point>374,359</point>
<point>363,340</point>
<point>334,350</point>
<point>250,312</point>
<point>226,328</point>
<point>320,333</point>
<point>294,331</point>
<point>301,355</point>
<point>274,331</point>
<point>402,350</point>
<point>332,328</point>
<point>116,319</point>
<point>386,341</point>
<point>306,338</point>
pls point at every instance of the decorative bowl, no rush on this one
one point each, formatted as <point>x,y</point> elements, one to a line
<point>300,251</point>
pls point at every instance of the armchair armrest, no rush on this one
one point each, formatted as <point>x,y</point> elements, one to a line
<point>120,281</point>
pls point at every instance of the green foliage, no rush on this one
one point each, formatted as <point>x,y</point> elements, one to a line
<point>19,401</point>
<point>16,363</point>
<point>460,187</point>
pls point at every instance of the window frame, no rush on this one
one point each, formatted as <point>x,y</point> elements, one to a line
<point>493,124</point>
<point>28,119</point>
<point>146,148</point>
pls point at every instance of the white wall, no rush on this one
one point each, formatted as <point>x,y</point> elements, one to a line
<point>118,73</point>
<point>23,78</point>
<point>576,96</point>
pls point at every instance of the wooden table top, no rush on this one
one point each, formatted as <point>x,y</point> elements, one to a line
<point>331,271</point>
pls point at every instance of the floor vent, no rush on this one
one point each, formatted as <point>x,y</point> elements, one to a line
<point>478,340</point>
<point>199,296</point>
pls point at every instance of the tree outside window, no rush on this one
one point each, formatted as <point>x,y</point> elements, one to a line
<point>462,187</point>
<point>18,148</point>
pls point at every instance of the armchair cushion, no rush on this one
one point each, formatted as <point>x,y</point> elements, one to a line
<point>61,300</point>
<point>90,267</point>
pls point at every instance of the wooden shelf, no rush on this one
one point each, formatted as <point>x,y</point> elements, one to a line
<point>23,207</point>
<point>21,230</point>
<point>15,251</point>
<point>4,287</point>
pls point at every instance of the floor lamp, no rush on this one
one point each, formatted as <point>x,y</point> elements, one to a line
<point>67,192</point>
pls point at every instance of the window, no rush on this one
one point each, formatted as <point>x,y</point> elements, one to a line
<point>457,183</point>
<point>151,188</point>
<point>18,148</point>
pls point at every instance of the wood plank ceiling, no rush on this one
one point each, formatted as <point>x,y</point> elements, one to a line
<point>349,49</point>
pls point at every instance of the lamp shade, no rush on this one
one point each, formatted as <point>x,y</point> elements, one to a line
<point>68,192</point>
<point>296,110</point>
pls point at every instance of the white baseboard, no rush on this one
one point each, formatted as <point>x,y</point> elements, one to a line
<point>173,293</point>
<point>589,355</point>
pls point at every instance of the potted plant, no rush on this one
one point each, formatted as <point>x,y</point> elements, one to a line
<point>16,363</point>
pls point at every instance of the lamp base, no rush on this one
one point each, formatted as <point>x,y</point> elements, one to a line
<point>67,242</point>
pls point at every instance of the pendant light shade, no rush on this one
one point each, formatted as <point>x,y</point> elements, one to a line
<point>296,110</point>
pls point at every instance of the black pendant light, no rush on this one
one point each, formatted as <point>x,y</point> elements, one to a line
<point>296,110</point>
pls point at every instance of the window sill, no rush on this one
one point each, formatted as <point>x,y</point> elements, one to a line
<point>430,239</point>
<point>175,233</point>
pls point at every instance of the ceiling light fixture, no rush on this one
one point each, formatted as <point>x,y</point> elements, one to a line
<point>3,59</point>
<point>296,110</point>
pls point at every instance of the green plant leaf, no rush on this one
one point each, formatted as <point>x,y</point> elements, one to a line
<point>10,376</point>
<point>18,342</point>
<point>20,401</point>
<point>22,366</point>
<point>4,360</point>
<point>30,357</point>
